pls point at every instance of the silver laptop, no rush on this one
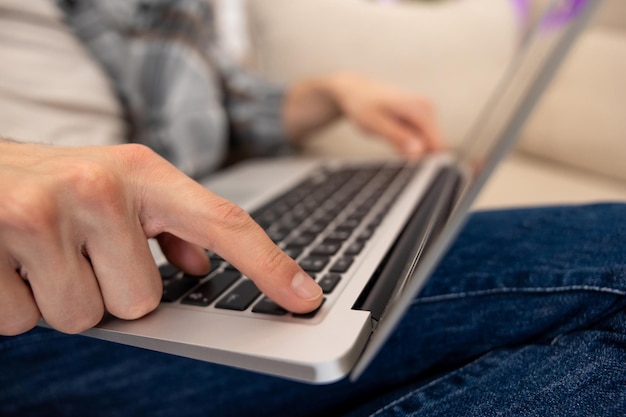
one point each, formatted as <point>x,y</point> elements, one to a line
<point>371,232</point>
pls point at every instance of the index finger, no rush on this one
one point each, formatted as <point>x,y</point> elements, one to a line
<point>180,206</point>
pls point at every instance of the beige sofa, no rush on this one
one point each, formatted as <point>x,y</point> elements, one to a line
<point>572,150</point>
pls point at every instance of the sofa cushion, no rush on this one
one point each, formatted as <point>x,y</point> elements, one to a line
<point>581,120</point>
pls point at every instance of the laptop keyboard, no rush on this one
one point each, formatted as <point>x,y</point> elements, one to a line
<point>324,223</point>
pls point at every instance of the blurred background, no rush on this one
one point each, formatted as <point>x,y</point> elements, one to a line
<point>452,51</point>
<point>455,51</point>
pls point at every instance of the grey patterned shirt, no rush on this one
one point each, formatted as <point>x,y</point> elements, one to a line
<point>182,96</point>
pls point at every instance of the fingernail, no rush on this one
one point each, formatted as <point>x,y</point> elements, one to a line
<point>305,287</point>
<point>414,147</point>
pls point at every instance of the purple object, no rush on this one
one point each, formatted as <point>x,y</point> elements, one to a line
<point>563,13</point>
<point>558,14</point>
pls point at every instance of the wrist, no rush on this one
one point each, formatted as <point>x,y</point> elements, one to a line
<point>310,105</point>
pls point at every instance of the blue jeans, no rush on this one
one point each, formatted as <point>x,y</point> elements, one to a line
<point>525,316</point>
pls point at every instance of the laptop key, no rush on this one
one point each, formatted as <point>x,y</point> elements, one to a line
<point>355,248</point>
<point>365,234</point>
<point>302,240</point>
<point>338,236</point>
<point>342,264</point>
<point>240,297</point>
<point>313,263</point>
<point>326,248</point>
<point>293,252</point>
<point>168,271</point>
<point>329,282</point>
<point>206,293</point>
<point>314,228</point>
<point>173,289</point>
<point>267,306</point>
<point>348,225</point>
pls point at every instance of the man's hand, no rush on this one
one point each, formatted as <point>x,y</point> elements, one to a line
<point>406,120</point>
<point>73,230</point>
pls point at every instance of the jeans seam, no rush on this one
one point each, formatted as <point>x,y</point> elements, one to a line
<point>527,290</point>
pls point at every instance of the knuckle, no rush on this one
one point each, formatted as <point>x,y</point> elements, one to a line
<point>272,260</point>
<point>231,217</point>
<point>138,305</point>
<point>30,210</point>
<point>135,155</point>
<point>93,183</point>
<point>137,150</point>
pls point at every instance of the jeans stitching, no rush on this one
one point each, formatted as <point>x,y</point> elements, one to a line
<point>529,290</point>
<point>493,291</point>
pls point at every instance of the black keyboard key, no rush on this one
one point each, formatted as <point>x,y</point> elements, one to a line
<point>293,252</point>
<point>300,213</point>
<point>304,239</point>
<point>342,264</point>
<point>310,204</point>
<point>315,228</point>
<point>365,234</point>
<point>326,248</point>
<point>355,248</point>
<point>240,297</point>
<point>357,216</point>
<point>324,219</point>
<point>338,235</point>
<point>329,282</point>
<point>168,271</point>
<point>173,289</point>
<point>376,221</point>
<point>206,293</point>
<point>267,306</point>
<point>348,225</point>
<point>314,263</point>
<point>288,223</point>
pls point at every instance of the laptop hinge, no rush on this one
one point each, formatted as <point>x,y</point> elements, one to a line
<point>425,223</point>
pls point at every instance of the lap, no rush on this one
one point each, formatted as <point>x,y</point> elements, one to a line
<point>522,300</point>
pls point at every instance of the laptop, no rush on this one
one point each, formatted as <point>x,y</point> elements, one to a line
<point>371,233</point>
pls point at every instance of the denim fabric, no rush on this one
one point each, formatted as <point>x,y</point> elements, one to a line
<point>525,316</point>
